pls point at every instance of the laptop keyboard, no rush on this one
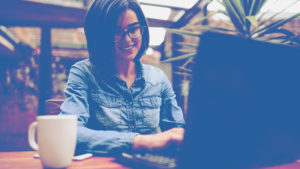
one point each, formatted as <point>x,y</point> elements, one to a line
<point>150,160</point>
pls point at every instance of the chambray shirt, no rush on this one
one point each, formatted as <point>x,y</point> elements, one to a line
<point>110,114</point>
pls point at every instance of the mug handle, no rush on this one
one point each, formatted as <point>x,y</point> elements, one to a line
<point>31,136</point>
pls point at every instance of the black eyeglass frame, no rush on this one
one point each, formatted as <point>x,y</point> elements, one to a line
<point>142,28</point>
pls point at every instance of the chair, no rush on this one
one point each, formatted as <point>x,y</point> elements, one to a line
<point>52,106</point>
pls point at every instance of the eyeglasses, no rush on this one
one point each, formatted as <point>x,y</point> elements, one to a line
<point>133,32</point>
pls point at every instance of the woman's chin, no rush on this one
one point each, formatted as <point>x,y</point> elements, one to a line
<point>127,57</point>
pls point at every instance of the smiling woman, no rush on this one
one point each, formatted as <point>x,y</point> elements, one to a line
<point>128,42</point>
<point>103,21</point>
<point>120,102</point>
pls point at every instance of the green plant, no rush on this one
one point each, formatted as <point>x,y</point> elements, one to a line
<point>247,21</point>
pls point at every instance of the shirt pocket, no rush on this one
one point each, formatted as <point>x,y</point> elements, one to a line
<point>150,107</point>
<point>107,109</point>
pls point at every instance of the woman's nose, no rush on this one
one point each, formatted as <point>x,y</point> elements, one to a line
<point>127,37</point>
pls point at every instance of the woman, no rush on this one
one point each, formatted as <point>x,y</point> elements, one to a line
<point>120,102</point>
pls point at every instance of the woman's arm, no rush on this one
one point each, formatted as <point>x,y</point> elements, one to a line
<point>171,123</point>
<point>76,103</point>
<point>171,115</point>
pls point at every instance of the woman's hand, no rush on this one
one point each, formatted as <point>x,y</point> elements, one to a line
<point>158,141</point>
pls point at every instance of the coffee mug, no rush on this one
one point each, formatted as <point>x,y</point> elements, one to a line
<point>56,137</point>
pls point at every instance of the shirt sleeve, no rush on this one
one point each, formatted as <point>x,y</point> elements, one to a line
<point>171,115</point>
<point>90,140</point>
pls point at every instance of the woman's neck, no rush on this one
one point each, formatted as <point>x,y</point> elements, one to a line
<point>125,69</point>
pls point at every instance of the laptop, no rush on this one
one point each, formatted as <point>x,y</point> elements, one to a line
<point>244,105</point>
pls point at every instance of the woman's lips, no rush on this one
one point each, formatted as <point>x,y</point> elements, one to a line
<point>126,48</point>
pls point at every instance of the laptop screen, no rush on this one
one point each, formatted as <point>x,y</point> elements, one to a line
<point>244,104</point>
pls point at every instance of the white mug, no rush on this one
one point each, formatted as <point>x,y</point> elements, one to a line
<point>56,137</point>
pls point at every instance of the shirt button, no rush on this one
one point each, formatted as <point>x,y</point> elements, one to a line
<point>132,126</point>
<point>130,102</point>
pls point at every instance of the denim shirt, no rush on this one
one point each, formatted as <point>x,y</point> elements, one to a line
<point>110,114</point>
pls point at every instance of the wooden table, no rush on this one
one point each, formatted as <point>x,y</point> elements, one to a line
<point>24,159</point>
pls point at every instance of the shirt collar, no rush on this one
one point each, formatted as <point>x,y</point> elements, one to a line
<point>139,70</point>
<point>139,74</point>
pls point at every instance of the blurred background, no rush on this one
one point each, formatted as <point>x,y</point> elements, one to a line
<point>41,39</point>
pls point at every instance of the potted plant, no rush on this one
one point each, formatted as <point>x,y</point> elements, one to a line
<point>246,20</point>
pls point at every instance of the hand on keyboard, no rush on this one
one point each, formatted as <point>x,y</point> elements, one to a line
<point>150,160</point>
<point>154,142</point>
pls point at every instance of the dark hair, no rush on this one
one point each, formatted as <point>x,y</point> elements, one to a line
<point>99,27</point>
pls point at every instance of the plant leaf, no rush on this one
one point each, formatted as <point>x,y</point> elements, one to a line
<point>190,60</point>
<point>235,14</point>
<point>180,57</point>
<point>278,13</point>
<point>275,25</point>
<point>261,16</point>
<point>182,73</point>
<point>281,30</point>
<point>189,45</point>
<point>288,39</point>
<point>252,20</point>
<point>213,28</point>
<point>256,7</point>
<point>184,50</point>
<point>223,12</point>
<point>184,68</point>
<point>194,23</point>
<point>183,32</point>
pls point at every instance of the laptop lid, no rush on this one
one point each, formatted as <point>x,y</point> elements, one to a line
<point>244,105</point>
